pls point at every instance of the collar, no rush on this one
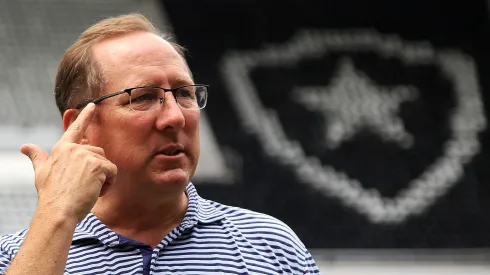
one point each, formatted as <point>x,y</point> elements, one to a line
<point>199,210</point>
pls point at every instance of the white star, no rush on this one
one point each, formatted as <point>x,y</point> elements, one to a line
<point>353,100</point>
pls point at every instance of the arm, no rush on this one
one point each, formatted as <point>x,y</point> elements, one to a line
<point>68,184</point>
<point>45,248</point>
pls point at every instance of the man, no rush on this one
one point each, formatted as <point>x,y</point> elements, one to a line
<point>114,196</point>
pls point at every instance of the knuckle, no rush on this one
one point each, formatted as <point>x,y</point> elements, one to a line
<point>93,162</point>
<point>87,159</point>
<point>67,147</point>
<point>71,148</point>
<point>79,154</point>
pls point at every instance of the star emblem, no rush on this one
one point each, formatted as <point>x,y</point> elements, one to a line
<point>377,108</point>
<point>353,101</point>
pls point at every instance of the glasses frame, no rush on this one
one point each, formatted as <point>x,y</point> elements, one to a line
<point>162,99</point>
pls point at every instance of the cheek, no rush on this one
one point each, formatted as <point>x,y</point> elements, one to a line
<point>123,132</point>
<point>129,123</point>
<point>192,124</point>
<point>133,132</point>
<point>192,130</point>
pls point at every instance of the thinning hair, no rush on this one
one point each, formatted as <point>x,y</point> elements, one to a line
<point>80,77</point>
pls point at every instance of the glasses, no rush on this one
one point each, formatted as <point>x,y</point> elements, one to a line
<point>149,98</point>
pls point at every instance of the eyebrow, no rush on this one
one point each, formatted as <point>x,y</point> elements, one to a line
<point>146,83</point>
<point>180,81</point>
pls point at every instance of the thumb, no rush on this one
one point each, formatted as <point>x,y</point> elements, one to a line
<point>35,153</point>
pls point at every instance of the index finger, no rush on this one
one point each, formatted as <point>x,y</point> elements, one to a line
<point>74,132</point>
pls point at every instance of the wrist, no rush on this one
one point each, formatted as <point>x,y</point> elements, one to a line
<point>57,217</point>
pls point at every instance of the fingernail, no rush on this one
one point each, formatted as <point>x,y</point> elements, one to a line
<point>90,105</point>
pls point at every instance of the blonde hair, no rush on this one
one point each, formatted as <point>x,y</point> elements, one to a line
<point>80,77</point>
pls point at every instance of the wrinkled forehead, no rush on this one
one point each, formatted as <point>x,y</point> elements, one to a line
<point>140,56</point>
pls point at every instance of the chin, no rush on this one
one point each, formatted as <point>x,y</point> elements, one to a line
<point>172,177</point>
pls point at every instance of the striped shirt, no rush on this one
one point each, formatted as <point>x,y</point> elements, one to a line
<point>212,239</point>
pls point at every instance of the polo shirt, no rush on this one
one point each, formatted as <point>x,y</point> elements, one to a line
<point>211,239</point>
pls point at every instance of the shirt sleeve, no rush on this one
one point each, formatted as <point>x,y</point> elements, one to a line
<point>9,245</point>
<point>4,262</point>
<point>310,266</point>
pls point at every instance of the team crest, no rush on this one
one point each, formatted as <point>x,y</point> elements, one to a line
<point>348,111</point>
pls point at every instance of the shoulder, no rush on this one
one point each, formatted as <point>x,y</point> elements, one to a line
<point>267,236</point>
<point>256,225</point>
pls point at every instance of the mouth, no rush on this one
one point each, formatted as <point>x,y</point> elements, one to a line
<point>171,150</point>
<point>170,153</point>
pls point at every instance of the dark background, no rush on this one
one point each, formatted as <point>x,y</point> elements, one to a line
<point>459,219</point>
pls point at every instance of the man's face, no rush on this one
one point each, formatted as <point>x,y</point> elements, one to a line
<point>135,140</point>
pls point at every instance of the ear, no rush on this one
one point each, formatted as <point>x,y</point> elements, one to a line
<point>69,117</point>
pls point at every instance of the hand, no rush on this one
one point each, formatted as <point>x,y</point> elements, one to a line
<point>71,179</point>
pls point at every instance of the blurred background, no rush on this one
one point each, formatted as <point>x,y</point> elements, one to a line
<point>361,124</point>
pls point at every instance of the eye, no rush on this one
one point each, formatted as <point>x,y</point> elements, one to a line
<point>144,94</point>
<point>187,92</point>
<point>144,97</point>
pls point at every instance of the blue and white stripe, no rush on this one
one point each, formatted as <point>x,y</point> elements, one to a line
<point>212,239</point>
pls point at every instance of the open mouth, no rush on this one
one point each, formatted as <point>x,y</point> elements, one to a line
<point>171,152</point>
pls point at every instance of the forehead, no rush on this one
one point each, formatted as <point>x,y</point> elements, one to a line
<point>140,57</point>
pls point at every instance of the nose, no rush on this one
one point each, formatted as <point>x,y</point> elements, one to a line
<point>170,115</point>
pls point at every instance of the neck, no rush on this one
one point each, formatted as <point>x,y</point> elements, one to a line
<point>145,219</point>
